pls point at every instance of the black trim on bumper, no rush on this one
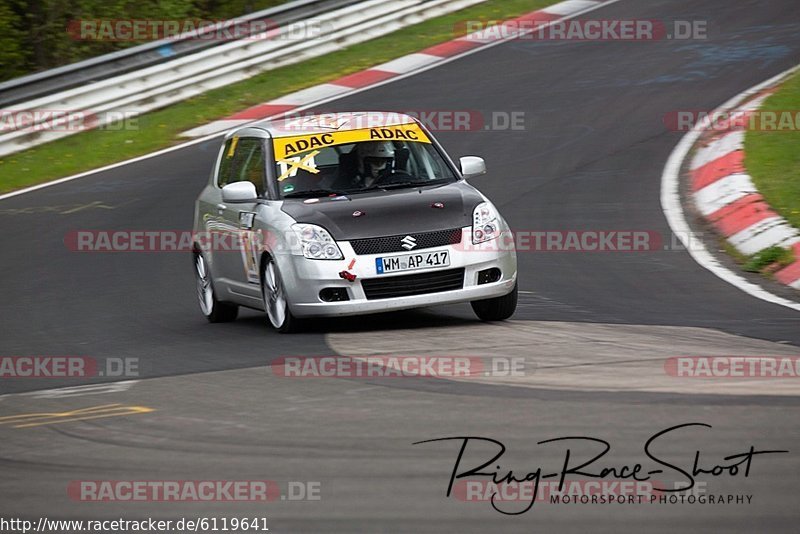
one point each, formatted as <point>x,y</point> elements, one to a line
<point>413,284</point>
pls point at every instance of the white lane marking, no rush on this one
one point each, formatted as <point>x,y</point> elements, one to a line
<point>673,209</point>
<point>199,140</point>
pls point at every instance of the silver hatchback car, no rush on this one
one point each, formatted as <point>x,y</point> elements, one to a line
<point>346,214</point>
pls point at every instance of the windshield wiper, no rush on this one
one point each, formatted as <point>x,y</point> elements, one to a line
<point>312,193</point>
<point>417,183</point>
<point>395,185</point>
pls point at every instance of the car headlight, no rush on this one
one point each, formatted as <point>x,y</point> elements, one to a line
<point>485,223</point>
<point>317,243</point>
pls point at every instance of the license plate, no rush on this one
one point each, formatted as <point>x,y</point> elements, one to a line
<point>411,262</point>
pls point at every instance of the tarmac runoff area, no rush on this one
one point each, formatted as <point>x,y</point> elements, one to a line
<point>593,357</point>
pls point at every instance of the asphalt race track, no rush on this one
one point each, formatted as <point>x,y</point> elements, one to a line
<point>596,326</point>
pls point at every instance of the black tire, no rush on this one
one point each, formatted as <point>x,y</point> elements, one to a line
<point>498,308</point>
<point>214,310</point>
<point>285,322</point>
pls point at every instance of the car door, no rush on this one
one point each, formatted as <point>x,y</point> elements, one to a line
<point>242,160</point>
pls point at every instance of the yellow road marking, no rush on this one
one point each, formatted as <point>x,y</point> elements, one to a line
<point>50,418</point>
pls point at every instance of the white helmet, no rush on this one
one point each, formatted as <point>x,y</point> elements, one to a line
<point>375,157</point>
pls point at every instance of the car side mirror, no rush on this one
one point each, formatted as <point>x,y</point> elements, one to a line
<point>239,192</point>
<point>472,166</point>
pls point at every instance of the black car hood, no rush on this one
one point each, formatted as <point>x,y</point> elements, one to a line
<point>390,212</point>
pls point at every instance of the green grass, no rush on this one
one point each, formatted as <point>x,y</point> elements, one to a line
<point>773,157</point>
<point>160,129</point>
<point>767,258</point>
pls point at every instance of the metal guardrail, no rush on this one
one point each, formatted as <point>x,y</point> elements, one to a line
<point>168,82</point>
<point>149,54</point>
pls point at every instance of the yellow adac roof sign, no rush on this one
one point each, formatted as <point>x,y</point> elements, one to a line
<point>291,146</point>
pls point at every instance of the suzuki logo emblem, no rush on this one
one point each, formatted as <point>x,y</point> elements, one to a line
<point>408,242</point>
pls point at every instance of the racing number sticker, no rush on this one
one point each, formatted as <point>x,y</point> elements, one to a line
<point>290,166</point>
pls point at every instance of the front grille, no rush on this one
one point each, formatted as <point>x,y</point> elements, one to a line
<point>413,284</point>
<point>383,245</point>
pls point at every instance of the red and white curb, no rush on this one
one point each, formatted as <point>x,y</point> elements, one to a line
<point>727,197</point>
<point>397,67</point>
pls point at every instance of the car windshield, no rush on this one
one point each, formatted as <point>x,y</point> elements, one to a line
<point>356,161</point>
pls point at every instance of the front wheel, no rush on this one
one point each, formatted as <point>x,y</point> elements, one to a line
<point>498,308</point>
<point>214,310</point>
<point>275,303</point>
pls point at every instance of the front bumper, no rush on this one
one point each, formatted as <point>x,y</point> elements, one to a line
<point>304,279</point>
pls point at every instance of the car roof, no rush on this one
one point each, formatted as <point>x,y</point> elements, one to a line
<point>309,124</point>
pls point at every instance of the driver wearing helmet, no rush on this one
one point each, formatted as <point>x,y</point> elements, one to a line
<point>375,161</point>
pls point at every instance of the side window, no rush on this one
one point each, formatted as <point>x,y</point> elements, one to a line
<point>253,169</point>
<point>223,174</point>
<point>243,160</point>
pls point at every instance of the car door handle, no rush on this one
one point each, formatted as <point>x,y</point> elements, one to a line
<point>221,208</point>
